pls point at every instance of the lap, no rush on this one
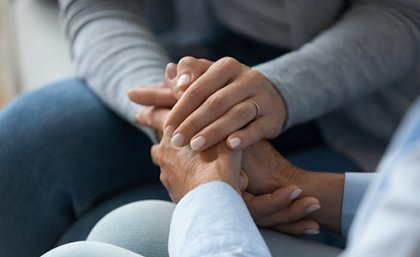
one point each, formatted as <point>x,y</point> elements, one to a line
<point>63,154</point>
<point>90,249</point>
<point>143,227</point>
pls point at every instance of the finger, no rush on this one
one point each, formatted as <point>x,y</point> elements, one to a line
<point>155,153</point>
<point>296,210</point>
<point>152,96</point>
<point>237,117</point>
<point>251,134</point>
<point>267,204</point>
<point>216,77</point>
<point>213,108</point>
<point>152,117</point>
<point>170,71</point>
<point>190,69</point>
<point>299,227</point>
<point>244,180</point>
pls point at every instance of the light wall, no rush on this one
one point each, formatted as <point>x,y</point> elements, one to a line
<point>7,83</point>
<point>33,50</point>
<point>42,54</point>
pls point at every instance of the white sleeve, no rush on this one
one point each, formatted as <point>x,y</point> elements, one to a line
<point>388,223</point>
<point>212,220</point>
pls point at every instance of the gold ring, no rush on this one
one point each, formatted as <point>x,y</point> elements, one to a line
<point>256,106</point>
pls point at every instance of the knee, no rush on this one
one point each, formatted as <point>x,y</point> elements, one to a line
<point>48,109</point>
<point>89,249</point>
<point>142,227</point>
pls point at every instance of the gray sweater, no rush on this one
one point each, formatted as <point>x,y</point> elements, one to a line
<point>354,65</point>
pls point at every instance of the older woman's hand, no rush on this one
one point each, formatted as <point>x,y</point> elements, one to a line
<point>271,199</point>
<point>182,169</point>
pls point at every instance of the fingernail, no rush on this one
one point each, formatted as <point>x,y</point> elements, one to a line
<point>235,142</point>
<point>197,143</point>
<point>312,208</point>
<point>170,70</point>
<point>168,131</point>
<point>312,231</point>
<point>182,80</point>
<point>177,140</point>
<point>295,194</point>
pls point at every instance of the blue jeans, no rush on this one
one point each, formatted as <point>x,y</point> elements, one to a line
<point>66,161</point>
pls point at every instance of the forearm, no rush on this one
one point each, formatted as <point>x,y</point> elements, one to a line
<point>113,49</point>
<point>353,58</point>
<point>328,189</point>
<point>212,220</point>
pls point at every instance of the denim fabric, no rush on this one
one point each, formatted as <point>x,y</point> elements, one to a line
<point>143,227</point>
<point>63,156</point>
<point>66,161</point>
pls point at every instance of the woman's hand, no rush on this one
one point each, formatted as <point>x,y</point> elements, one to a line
<point>268,170</point>
<point>182,169</point>
<point>225,99</point>
<point>271,199</point>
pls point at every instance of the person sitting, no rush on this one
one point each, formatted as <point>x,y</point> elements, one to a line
<point>212,219</point>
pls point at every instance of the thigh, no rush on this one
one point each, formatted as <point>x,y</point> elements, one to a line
<point>90,249</point>
<point>62,153</point>
<point>141,227</point>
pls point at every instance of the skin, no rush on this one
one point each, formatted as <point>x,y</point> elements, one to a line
<point>281,209</point>
<point>267,170</point>
<point>212,104</point>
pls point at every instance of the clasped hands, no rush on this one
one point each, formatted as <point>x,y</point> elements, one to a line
<point>213,118</point>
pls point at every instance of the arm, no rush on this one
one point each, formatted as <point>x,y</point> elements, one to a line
<point>373,44</point>
<point>212,220</point>
<point>388,221</point>
<point>339,195</point>
<point>113,49</point>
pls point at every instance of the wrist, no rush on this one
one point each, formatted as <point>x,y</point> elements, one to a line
<point>328,188</point>
<point>212,175</point>
<point>288,174</point>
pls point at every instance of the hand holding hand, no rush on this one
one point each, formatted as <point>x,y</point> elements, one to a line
<point>273,203</point>
<point>182,169</point>
<point>225,99</point>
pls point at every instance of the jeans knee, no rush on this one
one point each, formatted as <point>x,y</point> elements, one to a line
<point>142,227</point>
<point>89,249</point>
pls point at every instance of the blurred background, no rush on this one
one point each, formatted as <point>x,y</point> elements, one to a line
<point>33,51</point>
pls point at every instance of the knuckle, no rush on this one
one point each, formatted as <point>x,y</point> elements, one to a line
<point>253,75</point>
<point>187,61</point>
<point>243,113</point>
<point>216,103</point>
<point>195,92</point>
<point>190,125</point>
<point>227,62</point>
<point>163,178</point>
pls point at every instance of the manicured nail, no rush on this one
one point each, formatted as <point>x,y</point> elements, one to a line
<point>171,70</point>
<point>235,142</point>
<point>295,194</point>
<point>177,140</point>
<point>312,231</point>
<point>197,143</point>
<point>168,131</point>
<point>312,208</point>
<point>182,80</point>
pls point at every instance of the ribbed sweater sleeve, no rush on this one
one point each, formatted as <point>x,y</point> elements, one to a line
<point>375,43</point>
<point>113,49</point>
